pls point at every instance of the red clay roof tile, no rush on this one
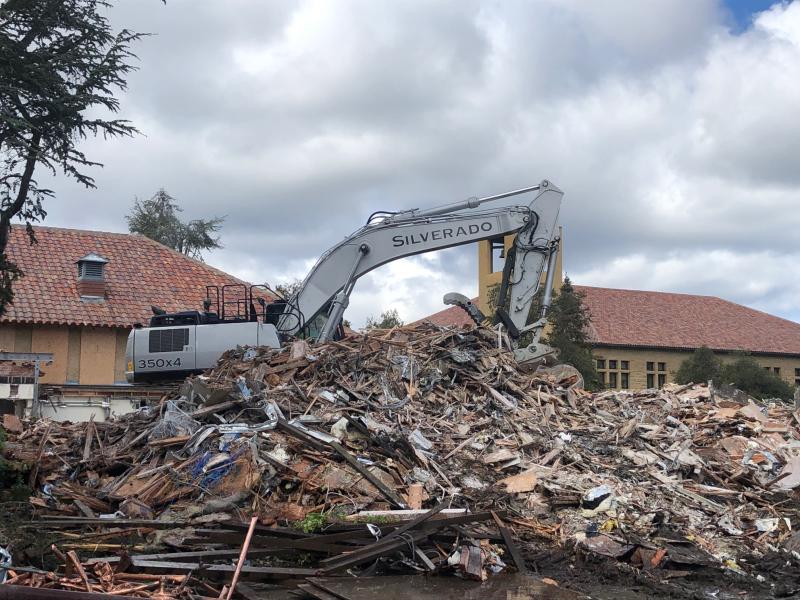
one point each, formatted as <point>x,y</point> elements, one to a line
<point>139,273</point>
<point>644,319</point>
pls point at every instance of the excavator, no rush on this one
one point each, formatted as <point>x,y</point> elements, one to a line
<point>177,344</point>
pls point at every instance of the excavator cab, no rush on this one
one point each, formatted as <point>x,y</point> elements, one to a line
<point>176,344</point>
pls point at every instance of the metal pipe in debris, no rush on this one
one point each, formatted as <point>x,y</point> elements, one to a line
<point>242,556</point>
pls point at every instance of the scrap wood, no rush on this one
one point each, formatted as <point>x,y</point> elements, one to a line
<point>76,564</point>
<point>513,550</point>
<point>384,489</point>
<point>437,410</point>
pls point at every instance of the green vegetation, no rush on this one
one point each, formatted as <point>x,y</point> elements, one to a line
<point>62,66</point>
<point>570,322</point>
<point>569,325</point>
<point>312,523</point>
<point>388,319</point>
<point>743,373</point>
<point>157,219</point>
<point>747,375</point>
<point>700,367</point>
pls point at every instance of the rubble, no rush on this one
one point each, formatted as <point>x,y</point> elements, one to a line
<point>414,450</point>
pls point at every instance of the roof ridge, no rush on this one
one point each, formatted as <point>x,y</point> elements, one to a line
<point>612,289</point>
<point>759,311</point>
<point>89,231</point>
<point>130,234</point>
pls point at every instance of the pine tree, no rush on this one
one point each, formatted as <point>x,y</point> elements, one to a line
<point>569,321</point>
<point>157,219</point>
<point>61,65</point>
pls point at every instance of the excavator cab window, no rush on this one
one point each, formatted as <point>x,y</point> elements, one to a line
<point>273,311</point>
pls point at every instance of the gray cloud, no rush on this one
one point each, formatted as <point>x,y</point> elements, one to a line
<point>674,139</point>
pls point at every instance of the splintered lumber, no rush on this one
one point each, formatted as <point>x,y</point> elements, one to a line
<point>508,540</point>
<point>76,564</point>
<point>21,592</point>
<point>411,532</point>
<point>390,495</point>
<point>328,443</point>
<point>372,552</point>
<point>199,567</point>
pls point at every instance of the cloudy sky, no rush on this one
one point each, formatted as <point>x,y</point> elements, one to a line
<point>673,126</point>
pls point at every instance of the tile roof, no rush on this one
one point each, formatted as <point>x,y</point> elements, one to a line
<point>453,316</point>
<point>139,273</point>
<point>669,320</point>
<point>636,318</point>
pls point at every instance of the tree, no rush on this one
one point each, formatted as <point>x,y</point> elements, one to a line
<point>288,289</point>
<point>747,375</point>
<point>700,367</point>
<point>60,66</point>
<point>388,319</point>
<point>157,219</point>
<point>569,321</point>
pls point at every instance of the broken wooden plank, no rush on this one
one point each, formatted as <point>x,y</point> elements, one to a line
<point>508,540</point>
<point>388,493</point>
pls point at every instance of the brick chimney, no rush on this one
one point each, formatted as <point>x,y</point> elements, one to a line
<point>92,277</point>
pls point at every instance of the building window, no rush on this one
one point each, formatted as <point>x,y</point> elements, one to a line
<point>662,367</point>
<point>797,372</point>
<point>498,249</point>
<point>766,369</point>
<point>776,370</point>
<point>613,373</point>
<point>651,381</point>
<point>651,366</point>
<point>662,379</point>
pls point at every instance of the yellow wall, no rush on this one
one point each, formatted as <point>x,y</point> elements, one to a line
<point>488,278</point>
<point>54,340</point>
<point>637,365</point>
<point>119,358</point>
<point>74,355</point>
<point>23,337</point>
<point>7,335</point>
<point>98,352</point>
<point>85,355</point>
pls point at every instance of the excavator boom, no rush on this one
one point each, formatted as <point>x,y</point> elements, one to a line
<point>180,343</point>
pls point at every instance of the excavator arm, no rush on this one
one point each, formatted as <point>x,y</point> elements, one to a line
<point>327,287</point>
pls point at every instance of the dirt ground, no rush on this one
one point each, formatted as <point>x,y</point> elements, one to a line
<point>603,578</point>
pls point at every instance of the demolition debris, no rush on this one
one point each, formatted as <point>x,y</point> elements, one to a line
<point>413,451</point>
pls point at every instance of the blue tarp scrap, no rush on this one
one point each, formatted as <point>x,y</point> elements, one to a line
<point>220,471</point>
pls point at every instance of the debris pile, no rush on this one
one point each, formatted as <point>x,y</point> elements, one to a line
<point>388,452</point>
